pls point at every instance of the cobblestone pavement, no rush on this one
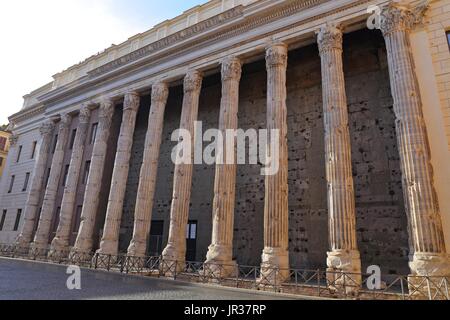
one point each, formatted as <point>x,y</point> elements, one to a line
<point>27,280</point>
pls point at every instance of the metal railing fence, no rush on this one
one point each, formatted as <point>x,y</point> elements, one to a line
<point>317,283</point>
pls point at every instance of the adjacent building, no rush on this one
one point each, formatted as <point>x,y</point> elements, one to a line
<point>358,89</point>
<point>4,148</point>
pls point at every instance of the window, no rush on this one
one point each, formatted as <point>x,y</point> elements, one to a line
<point>11,184</point>
<point>55,142</point>
<point>448,38</point>
<point>19,153</point>
<point>36,222</point>
<point>87,168</point>
<point>33,149</point>
<point>93,133</point>
<point>72,138</point>
<point>2,221</point>
<point>3,143</point>
<point>25,184</point>
<point>1,161</point>
<point>48,177</point>
<point>191,230</point>
<point>16,224</point>
<point>56,221</point>
<point>66,173</point>
<point>77,218</point>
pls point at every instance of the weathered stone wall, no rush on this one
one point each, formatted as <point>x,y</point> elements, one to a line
<point>381,220</point>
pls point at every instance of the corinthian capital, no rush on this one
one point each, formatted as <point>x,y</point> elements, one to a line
<point>131,101</point>
<point>402,17</point>
<point>47,127</point>
<point>13,139</point>
<point>329,38</point>
<point>231,69</point>
<point>85,114</point>
<point>276,55</point>
<point>64,124</point>
<point>160,92</point>
<point>193,81</point>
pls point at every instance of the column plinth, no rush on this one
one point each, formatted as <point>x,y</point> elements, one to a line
<point>275,257</point>
<point>179,214</point>
<point>427,236</point>
<point>42,236</point>
<point>61,241</point>
<point>220,252</point>
<point>344,255</point>
<point>110,241</point>
<point>84,243</point>
<point>149,171</point>
<point>37,185</point>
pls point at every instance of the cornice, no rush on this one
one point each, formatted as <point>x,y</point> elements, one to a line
<point>179,36</point>
<point>27,114</point>
<point>226,25</point>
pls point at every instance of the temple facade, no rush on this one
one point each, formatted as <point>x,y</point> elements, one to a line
<point>359,91</point>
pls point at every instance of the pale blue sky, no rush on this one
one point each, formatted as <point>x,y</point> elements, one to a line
<point>42,38</point>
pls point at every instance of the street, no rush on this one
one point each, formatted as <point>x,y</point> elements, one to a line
<point>27,280</point>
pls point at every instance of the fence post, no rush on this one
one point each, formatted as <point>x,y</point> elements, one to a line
<point>430,297</point>
<point>318,283</point>
<point>175,271</point>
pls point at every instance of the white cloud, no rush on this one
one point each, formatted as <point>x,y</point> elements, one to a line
<point>41,38</point>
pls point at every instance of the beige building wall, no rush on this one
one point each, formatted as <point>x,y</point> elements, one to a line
<point>4,148</point>
<point>13,202</point>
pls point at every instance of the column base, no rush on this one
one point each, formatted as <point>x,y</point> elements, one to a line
<point>59,248</point>
<point>22,242</point>
<point>430,275</point>
<point>136,249</point>
<point>173,261</point>
<point>22,249</point>
<point>219,262</point>
<point>38,250</point>
<point>108,248</point>
<point>344,271</point>
<point>274,267</point>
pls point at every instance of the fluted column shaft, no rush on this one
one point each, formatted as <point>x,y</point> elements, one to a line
<point>61,241</point>
<point>344,254</point>
<point>221,248</point>
<point>276,215</point>
<point>84,242</point>
<point>41,238</point>
<point>427,237</point>
<point>149,171</point>
<point>110,239</point>
<point>179,214</point>
<point>37,185</point>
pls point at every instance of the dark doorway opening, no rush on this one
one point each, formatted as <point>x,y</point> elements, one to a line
<point>155,246</point>
<point>191,240</point>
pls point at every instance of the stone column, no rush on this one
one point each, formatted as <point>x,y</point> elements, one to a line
<point>41,238</point>
<point>61,241</point>
<point>110,240</point>
<point>427,237</point>
<point>275,257</point>
<point>179,214</point>
<point>149,170</point>
<point>37,185</point>
<point>84,242</point>
<point>344,255</point>
<point>221,248</point>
